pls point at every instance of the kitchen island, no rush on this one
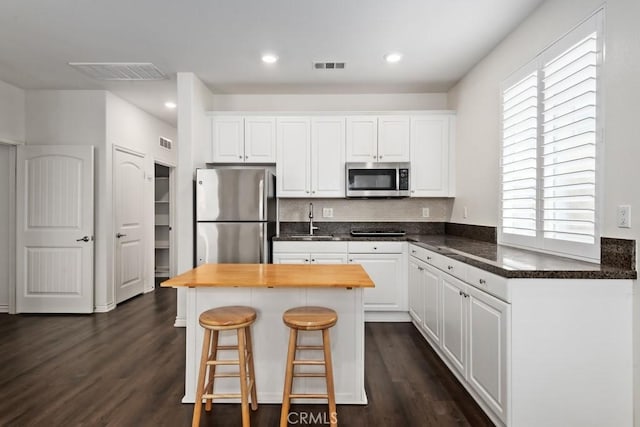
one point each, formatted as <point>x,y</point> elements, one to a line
<point>271,289</point>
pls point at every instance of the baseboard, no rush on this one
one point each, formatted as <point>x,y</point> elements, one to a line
<point>146,291</point>
<point>180,323</point>
<point>386,316</point>
<point>104,308</point>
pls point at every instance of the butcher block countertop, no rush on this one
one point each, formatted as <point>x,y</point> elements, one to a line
<point>273,276</point>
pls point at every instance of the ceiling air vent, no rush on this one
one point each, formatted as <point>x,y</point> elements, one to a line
<point>328,65</point>
<point>165,143</point>
<point>120,70</point>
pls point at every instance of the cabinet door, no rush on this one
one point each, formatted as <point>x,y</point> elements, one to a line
<point>329,258</point>
<point>416,297</point>
<point>453,322</point>
<point>362,139</point>
<point>431,285</point>
<point>393,139</point>
<point>260,139</point>
<point>386,272</point>
<point>293,156</point>
<point>430,145</point>
<point>227,145</point>
<point>327,157</point>
<point>488,342</point>
<point>291,258</point>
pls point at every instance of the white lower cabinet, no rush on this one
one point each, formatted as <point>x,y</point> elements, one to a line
<point>467,326</point>
<point>385,263</point>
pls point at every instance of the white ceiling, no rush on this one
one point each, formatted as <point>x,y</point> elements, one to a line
<point>222,41</point>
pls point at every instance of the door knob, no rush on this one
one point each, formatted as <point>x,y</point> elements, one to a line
<point>119,235</point>
<point>84,239</point>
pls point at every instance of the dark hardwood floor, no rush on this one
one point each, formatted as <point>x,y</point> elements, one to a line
<point>126,368</point>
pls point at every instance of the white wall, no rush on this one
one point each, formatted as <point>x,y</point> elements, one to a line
<point>7,224</point>
<point>129,127</point>
<point>330,102</point>
<point>12,113</point>
<point>101,119</point>
<point>476,98</point>
<point>194,100</point>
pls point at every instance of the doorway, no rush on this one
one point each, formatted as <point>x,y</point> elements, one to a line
<point>163,227</point>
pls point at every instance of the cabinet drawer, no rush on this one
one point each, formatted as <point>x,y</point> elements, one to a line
<point>376,247</point>
<point>309,247</point>
<point>490,283</point>
<point>422,254</point>
<point>451,266</point>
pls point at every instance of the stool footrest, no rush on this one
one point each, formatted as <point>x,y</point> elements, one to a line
<point>308,362</point>
<point>310,375</point>
<point>309,347</point>
<point>308,396</point>
<point>222,396</point>
<point>229,375</point>
<point>223,362</point>
<point>227,347</point>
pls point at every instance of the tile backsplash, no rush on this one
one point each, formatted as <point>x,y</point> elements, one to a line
<point>366,210</point>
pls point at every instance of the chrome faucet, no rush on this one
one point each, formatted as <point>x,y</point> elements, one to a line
<point>311,226</point>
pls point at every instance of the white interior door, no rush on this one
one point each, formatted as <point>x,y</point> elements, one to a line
<point>128,194</point>
<point>54,229</point>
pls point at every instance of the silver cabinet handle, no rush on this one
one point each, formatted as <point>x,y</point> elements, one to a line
<point>313,260</point>
<point>306,260</point>
<point>350,260</point>
<point>482,281</point>
<point>428,258</point>
<point>449,267</point>
<point>460,293</point>
<point>246,157</point>
<point>119,235</point>
<point>375,248</point>
<point>379,157</point>
<point>240,157</point>
<point>420,269</point>
<point>83,239</point>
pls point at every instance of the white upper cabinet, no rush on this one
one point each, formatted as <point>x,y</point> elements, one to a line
<point>310,157</point>
<point>378,139</point>
<point>393,139</point>
<point>327,156</point>
<point>362,139</point>
<point>238,139</point>
<point>293,153</point>
<point>260,139</point>
<point>432,156</point>
<point>227,139</point>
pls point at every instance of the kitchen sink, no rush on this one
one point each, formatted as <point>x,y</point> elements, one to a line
<point>309,236</point>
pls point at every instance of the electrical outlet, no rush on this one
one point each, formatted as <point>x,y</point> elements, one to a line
<point>465,212</point>
<point>327,212</point>
<point>624,216</point>
<point>425,213</point>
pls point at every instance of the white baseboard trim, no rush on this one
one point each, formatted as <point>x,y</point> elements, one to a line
<point>104,308</point>
<point>180,323</point>
<point>146,291</point>
<point>386,316</point>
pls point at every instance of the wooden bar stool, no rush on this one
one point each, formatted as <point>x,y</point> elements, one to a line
<point>309,319</point>
<point>213,321</point>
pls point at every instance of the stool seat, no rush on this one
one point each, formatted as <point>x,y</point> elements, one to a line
<point>310,318</point>
<point>229,317</point>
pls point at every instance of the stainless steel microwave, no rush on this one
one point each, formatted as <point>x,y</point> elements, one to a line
<point>377,179</point>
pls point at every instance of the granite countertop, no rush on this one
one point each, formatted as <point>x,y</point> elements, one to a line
<point>498,259</point>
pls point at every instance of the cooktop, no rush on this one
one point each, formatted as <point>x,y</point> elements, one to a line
<point>369,232</point>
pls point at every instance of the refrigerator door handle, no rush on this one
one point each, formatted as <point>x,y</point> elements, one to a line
<point>263,204</point>
<point>261,242</point>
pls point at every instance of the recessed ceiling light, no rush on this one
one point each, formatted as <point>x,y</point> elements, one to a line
<point>170,105</point>
<point>393,57</point>
<point>269,58</point>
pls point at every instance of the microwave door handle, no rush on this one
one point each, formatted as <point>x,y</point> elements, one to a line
<point>397,179</point>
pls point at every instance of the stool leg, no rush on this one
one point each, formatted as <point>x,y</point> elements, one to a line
<point>213,355</point>
<point>288,379</point>
<point>197,406</point>
<point>252,373</point>
<point>243,377</point>
<point>328,366</point>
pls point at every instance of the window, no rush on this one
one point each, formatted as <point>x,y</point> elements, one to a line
<point>551,134</point>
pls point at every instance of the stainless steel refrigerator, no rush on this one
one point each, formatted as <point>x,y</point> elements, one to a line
<point>235,215</point>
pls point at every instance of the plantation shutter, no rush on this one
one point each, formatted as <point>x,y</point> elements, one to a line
<point>519,157</point>
<point>569,143</point>
<point>551,133</point>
